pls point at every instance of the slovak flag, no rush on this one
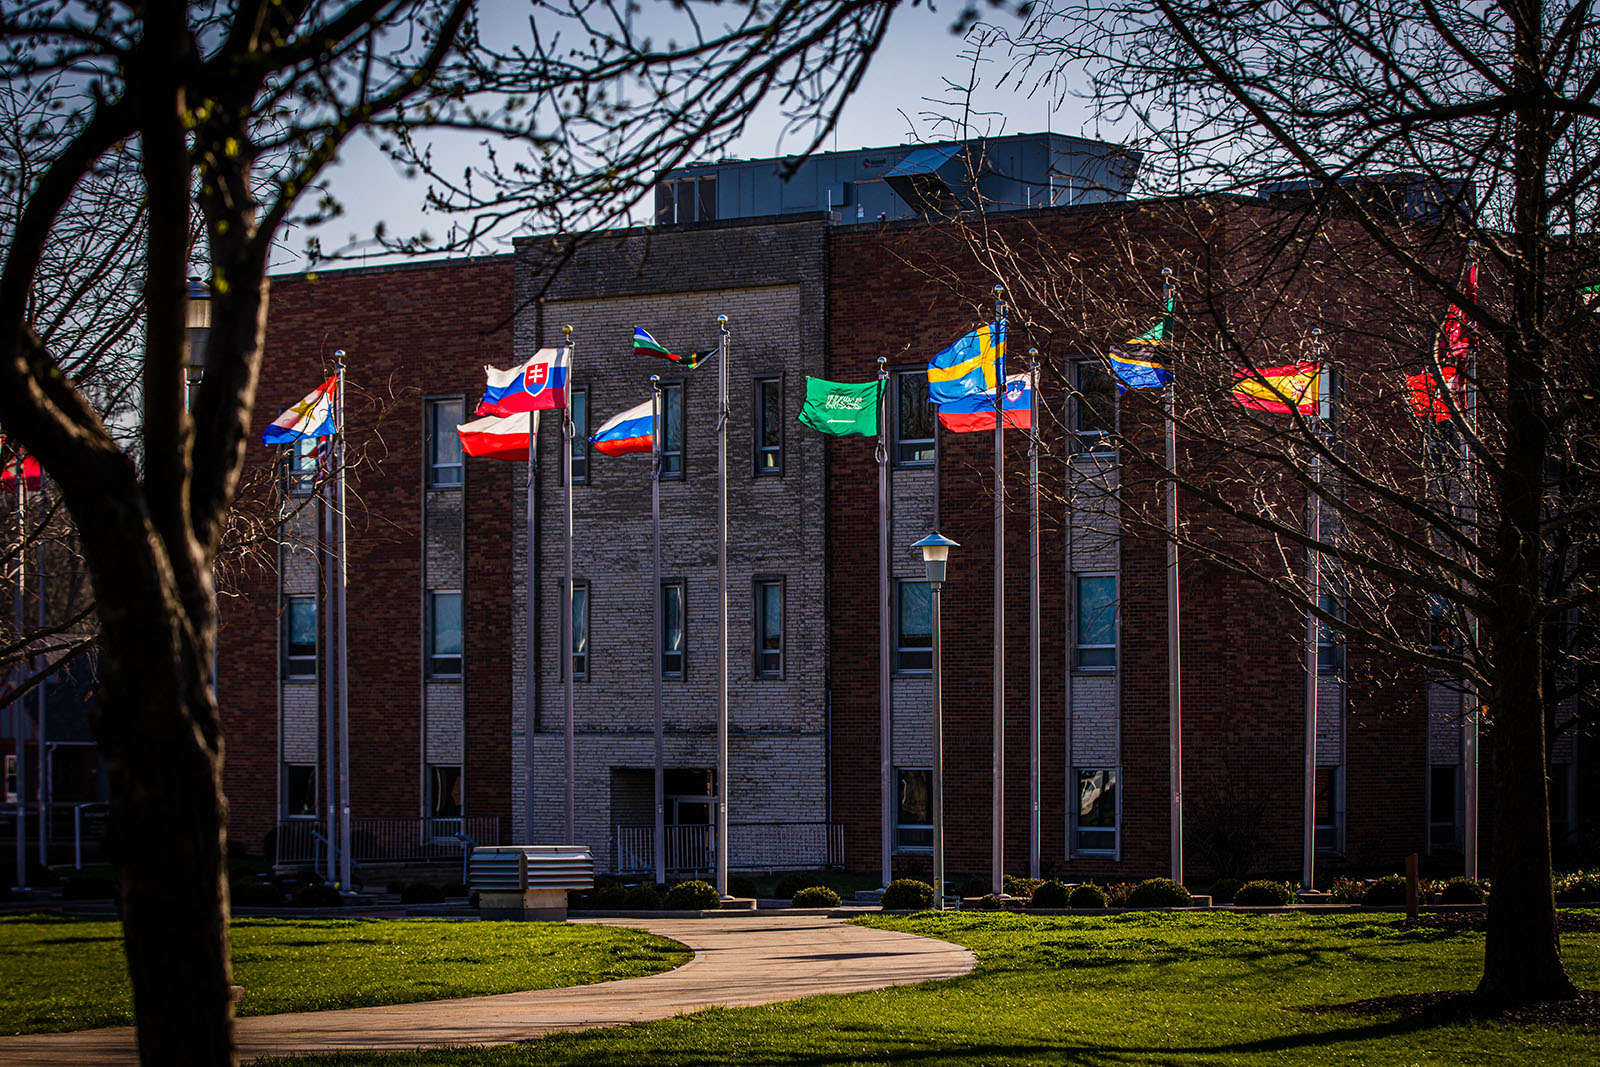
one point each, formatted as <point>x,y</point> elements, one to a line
<point>500,438</point>
<point>631,431</point>
<point>312,417</point>
<point>540,384</point>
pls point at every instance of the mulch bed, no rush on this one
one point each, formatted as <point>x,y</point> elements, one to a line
<point>1438,1008</point>
<point>1570,922</point>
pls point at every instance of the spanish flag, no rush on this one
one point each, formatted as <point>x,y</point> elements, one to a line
<point>1295,387</point>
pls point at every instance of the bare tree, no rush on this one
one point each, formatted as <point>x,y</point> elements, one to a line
<point>229,113</point>
<point>1353,157</point>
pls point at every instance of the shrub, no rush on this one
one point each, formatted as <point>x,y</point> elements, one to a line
<point>1159,893</point>
<point>790,884</point>
<point>318,895</point>
<point>1087,895</point>
<point>250,893</point>
<point>816,896</point>
<point>693,895</point>
<point>1461,890</point>
<point>1014,886</point>
<point>611,897</point>
<point>422,893</point>
<point>1263,895</point>
<point>641,898</point>
<point>1386,892</point>
<point>396,887</point>
<point>454,889</point>
<point>1051,894</point>
<point>974,887</point>
<point>1347,891</point>
<point>1117,893</point>
<point>991,902</point>
<point>907,894</point>
<point>1226,890</point>
<point>740,886</point>
<point>1579,887</point>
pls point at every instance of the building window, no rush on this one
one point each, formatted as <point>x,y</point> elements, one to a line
<point>580,630</point>
<point>769,629</point>
<point>444,792</point>
<point>580,436</point>
<point>1441,806</point>
<point>1095,644</point>
<point>1330,641</point>
<point>769,426</point>
<point>672,437</point>
<point>300,465</point>
<point>444,444</point>
<point>692,199</point>
<point>913,824</point>
<point>672,630</point>
<point>300,637</point>
<point>1094,408</point>
<point>913,423</point>
<point>913,635</point>
<point>299,790</point>
<point>1327,810</point>
<point>11,777</point>
<point>444,635</point>
<point>1094,822</point>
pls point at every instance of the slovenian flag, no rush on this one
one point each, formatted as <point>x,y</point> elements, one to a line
<point>630,431</point>
<point>974,363</point>
<point>1295,387</point>
<point>540,384</point>
<point>973,413</point>
<point>312,417</point>
<point>507,437</point>
<point>643,342</point>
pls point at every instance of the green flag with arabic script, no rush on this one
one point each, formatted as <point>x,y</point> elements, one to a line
<point>842,408</point>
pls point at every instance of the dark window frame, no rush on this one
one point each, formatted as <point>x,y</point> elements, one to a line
<point>1330,640</point>
<point>580,436</point>
<point>1099,832</point>
<point>917,846</point>
<point>437,663</point>
<point>430,435</point>
<point>301,466</point>
<point>445,774</point>
<point>289,790</point>
<point>581,674</point>
<point>901,442</point>
<point>759,585</point>
<point>681,474</point>
<point>681,673</point>
<point>305,662</point>
<point>758,426</point>
<point>1327,834</point>
<point>1087,437</point>
<point>1087,664</point>
<point>902,650</point>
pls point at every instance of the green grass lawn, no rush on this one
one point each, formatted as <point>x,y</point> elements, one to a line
<point>68,974</point>
<point>1170,989</point>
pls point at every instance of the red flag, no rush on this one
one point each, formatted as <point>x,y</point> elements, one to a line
<point>1427,399</point>
<point>1453,336</point>
<point>30,474</point>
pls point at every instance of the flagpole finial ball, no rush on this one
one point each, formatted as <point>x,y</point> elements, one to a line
<point>567,330</point>
<point>1316,333</point>
<point>655,379</point>
<point>1166,271</point>
<point>338,353</point>
<point>722,320</point>
<point>999,289</point>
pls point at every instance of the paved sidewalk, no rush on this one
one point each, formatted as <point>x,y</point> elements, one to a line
<point>737,962</point>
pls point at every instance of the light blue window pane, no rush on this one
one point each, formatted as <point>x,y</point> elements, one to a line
<point>672,618</point>
<point>447,624</point>
<point>302,626</point>
<point>1097,610</point>
<point>580,621</point>
<point>916,615</point>
<point>771,616</point>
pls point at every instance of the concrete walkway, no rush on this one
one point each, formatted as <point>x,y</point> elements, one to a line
<point>737,962</point>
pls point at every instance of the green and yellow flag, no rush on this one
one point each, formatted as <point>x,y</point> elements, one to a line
<point>842,408</point>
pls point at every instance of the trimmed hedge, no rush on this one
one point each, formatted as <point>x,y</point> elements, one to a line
<point>1159,893</point>
<point>1461,890</point>
<point>1050,894</point>
<point>693,895</point>
<point>907,894</point>
<point>1386,892</point>
<point>1087,895</point>
<point>790,884</point>
<point>1263,894</point>
<point>641,898</point>
<point>816,896</point>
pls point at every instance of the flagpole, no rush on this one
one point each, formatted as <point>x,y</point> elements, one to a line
<point>344,633</point>
<point>18,718</point>
<point>885,682</point>
<point>1034,635</point>
<point>1174,626</point>
<point>997,844</point>
<point>330,652</point>
<point>566,617</point>
<point>655,528</point>
<point>722,585</point>
<point>531,674</point>
<point>40,727</point>
<point>1314,594</point>
<point>1469,741</point>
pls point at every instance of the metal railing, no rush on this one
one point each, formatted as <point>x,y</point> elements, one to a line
<point>755,846</point>
<point>418,840</point>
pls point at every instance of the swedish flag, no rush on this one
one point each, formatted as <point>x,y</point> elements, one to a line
<point>975,363</point>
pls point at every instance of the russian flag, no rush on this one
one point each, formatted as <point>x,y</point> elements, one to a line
<point>630,431</point>
<point>499,438</point>
<point>973,413</point>
<point>312,417</point>
<point>537,385</point>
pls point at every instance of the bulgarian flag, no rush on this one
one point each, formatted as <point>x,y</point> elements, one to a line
<point>1295,387</point>
<point>643,342</point>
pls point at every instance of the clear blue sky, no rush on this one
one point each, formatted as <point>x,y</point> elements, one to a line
<point>905,89</point>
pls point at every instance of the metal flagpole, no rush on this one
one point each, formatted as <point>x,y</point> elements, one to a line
<point>885,682</point>
<point>997,845</point>
<point>1174,628</point>
<point>530,681</point>
<point>18,718</point>
<point>566,617</point>
<point>1314,594</point>
<point>330,670</point>
<point>722,585</point>
<point>344,636</point>
<point>1034,636</point>
<point>655,527</point>
<point>1469,740</point>
<point>40,726</point>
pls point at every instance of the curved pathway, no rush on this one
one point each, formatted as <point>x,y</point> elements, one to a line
<point>737,962</point>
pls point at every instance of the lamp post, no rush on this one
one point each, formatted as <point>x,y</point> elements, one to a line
<point>935,552</point>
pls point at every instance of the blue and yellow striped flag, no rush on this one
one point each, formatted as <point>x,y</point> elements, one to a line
<point>1138,362</point>
<point>975,363</point>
